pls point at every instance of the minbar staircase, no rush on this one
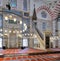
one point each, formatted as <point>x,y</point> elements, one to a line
<point>40,38</point>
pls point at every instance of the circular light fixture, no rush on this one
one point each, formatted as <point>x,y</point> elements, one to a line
<point>24,24</point>
<point>35,36</point>
<point>25,27</point>
<point>17,31</point>
<point>20,31</point>
<point>5,30</point>
<point>0,29</point>
<point>13,31</point>
<point>20,22</point>
<point>19,35</point>
<point>14,19</point>
<point>6,18</point>
<point>31,34</point>
<point>6,34</point>
<point>10,31</point>
<point>10,16</point>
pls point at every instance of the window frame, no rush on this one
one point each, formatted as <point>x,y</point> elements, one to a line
<point>13,1</point>
<point>25,5</point>
<point>1,42</point>
<point>44,26</point>
<point>25,40</point>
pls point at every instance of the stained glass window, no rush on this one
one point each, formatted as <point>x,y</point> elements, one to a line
<point>25,42</point>
<point>12,22</point>
<point>13,3</point>
<point>43,14</point>
<point>1,2</point>
<point>26,14</point>
<point>25,5</point>
<point>1,18</point>
<point>44,26</point>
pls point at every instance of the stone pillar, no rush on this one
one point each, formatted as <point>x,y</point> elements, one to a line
<point>55,31</point>
<point>8,41</point>
<point>59,43</point>
<point>54,44</point>
<point>54,27</point>
<point>31,43</point>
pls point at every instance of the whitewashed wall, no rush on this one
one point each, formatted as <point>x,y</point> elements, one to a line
<point>37,3</point>
<point>20,5</point>
<point>40,19</point>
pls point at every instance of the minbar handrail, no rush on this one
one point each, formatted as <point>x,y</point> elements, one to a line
<point>40,34</point>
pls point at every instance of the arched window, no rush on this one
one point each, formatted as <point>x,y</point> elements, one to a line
<point>1,26</point>
<point>0,42</point>
<point>1,18</point>
<point>44,26</point>
<point>13,3</point>
<point>1,2</point>
<point>25,42</point>
<point>43,14</point>
<point>25,5</point>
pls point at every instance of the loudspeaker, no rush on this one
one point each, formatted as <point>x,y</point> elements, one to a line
<point>4,47</point>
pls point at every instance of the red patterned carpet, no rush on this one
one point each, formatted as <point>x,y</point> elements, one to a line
<point>22,55</point>
<point>16,51</point>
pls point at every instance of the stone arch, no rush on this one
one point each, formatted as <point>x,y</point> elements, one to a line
<point>56,9</point>
<point>45,8</point>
